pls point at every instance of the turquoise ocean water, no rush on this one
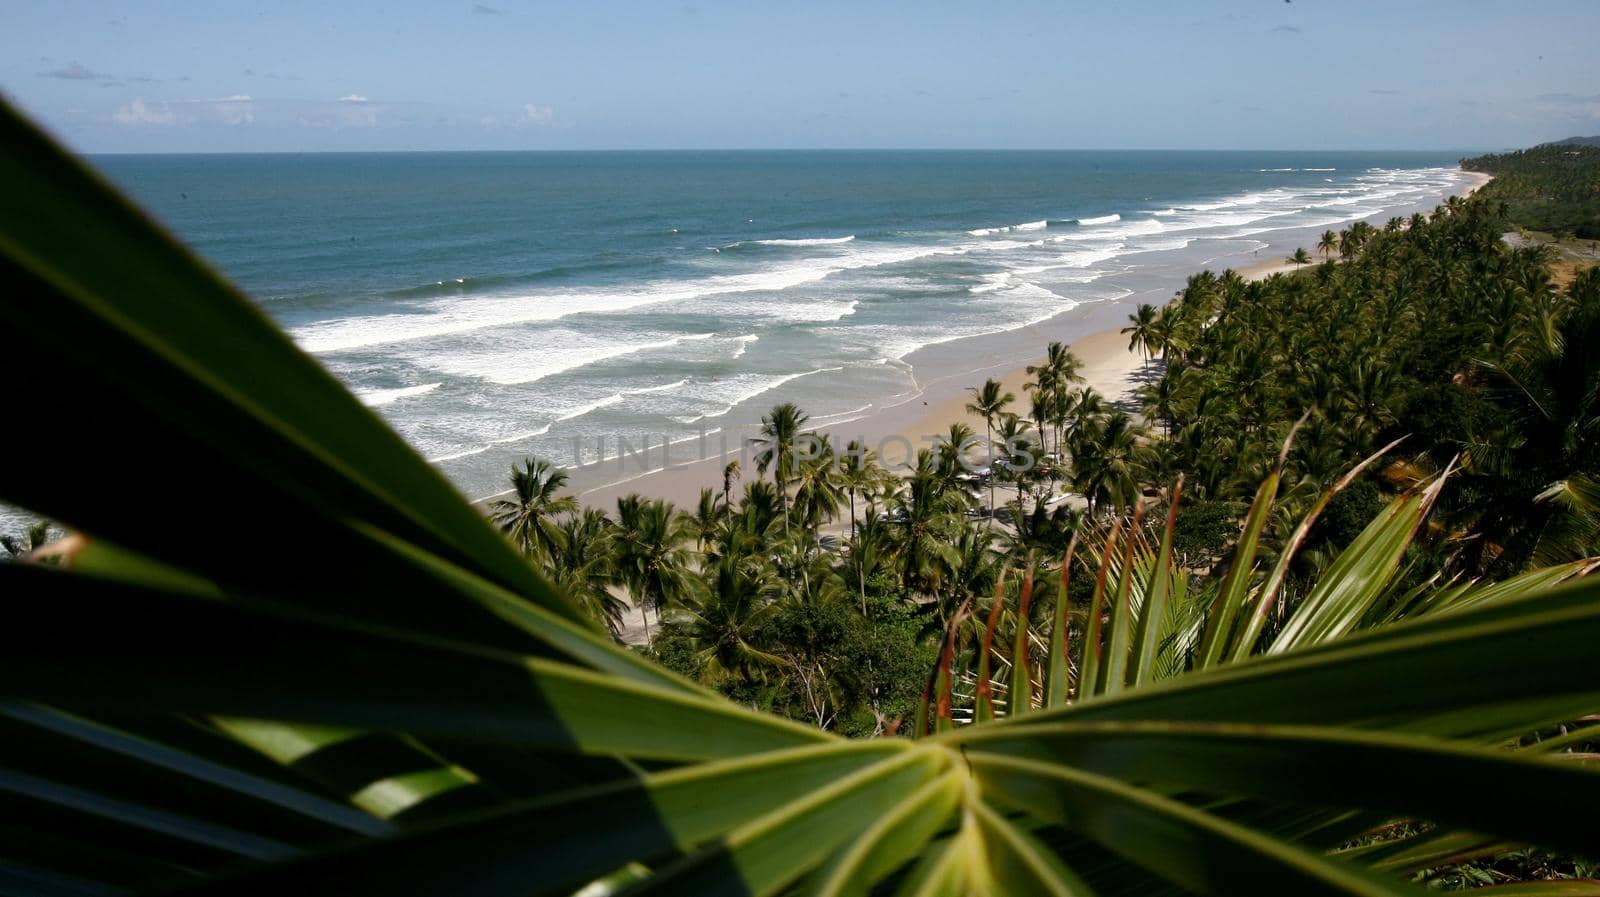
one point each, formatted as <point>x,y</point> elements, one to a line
<point>492,305</point>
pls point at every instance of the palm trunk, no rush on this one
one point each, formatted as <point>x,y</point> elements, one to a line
<point>861,579</point>
<point>783,499</point>
<point>852,517</point>
<point>989,432</point>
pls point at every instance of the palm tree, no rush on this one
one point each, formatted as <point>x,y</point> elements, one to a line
<point>817,489</point>
<point>528,517</point>
<point>758,509</point>
<point>1142,327</point>
<point>723,623</point>
<point>729,474</point>
<point>858,472</point>
<point>1083,409</point>
<point>974,566</point>
<point>585,569</point>
<point>650,555</point>
<point>1107,462</point>
<point>871,548</point>
<point>1040,404</point>
<point>779,429</point>
<point>1013,435</point>
<point>1053,377</point>
<point>708,515</point>
<point>989,402</point>
<point>951,449</point>
<point>930,523</point>
<point>1328,244</point>
<point>1167,334</point>
<point>1300,257</point>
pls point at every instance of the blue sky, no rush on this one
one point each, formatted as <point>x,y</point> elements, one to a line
<point>509,74</point>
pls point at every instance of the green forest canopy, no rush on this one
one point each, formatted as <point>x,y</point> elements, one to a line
<point>1554,187</point>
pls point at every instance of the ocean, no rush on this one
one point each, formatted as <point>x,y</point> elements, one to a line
<point>498,305</point>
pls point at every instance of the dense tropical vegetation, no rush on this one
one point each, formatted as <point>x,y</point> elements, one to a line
<point>359,686</point>
<point>1554,187</point>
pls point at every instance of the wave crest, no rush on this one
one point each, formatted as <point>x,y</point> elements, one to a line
<point>1026,225</point>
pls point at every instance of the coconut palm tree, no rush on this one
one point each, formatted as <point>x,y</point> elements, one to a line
<point>858,472</point>
<point>817,489</point>
<point>1014,439</point>
<point>871,550</point>
<point>1539,465</point>
<point>729,474</point>
<point>758,510</point>
<point>584,568</point>
<point>1108,462</point>
<point>708,517</point>
<point>528,516</point>
<point>951,449</point>
<point>1052,379</point>
<point>780,427</point>
<point>1141,330</point>
<point>974,566</point>
<point>1328,244</point>
<point>1300,257</point>
<point>650,556</point>
<point>723,623</point>
<point>931,519</point>
<point>989,402</point>
<point>1040,404</point>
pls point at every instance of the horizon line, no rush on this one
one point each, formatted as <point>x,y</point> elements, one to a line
<point>821,149</point>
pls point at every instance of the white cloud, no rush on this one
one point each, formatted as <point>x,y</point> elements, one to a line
<point>238,109</point>
<point>353,98</point>
<point>77,71</point>
<point>135,114</point>
<point>538,115</point>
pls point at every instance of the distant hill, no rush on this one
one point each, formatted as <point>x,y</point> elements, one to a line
<point>1554,187</point>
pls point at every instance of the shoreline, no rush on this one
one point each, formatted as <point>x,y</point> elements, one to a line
<point>941,377</point>
<point>1107,365</point>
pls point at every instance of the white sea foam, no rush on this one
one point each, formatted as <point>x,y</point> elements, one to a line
<point>744,344</point>
<point>1103,219</point>
<point>376,397</point>
<point>465,314</point>
<point>808,241</point>
<point>1130,229</point>
<point>991,231</point>
<point>1165,212</point>
<point>524,358</point>
<point>841,417</point>
<point>744,387</point>
<point>581,410</point>
<point>665,387</point>
<point>516,437</point>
